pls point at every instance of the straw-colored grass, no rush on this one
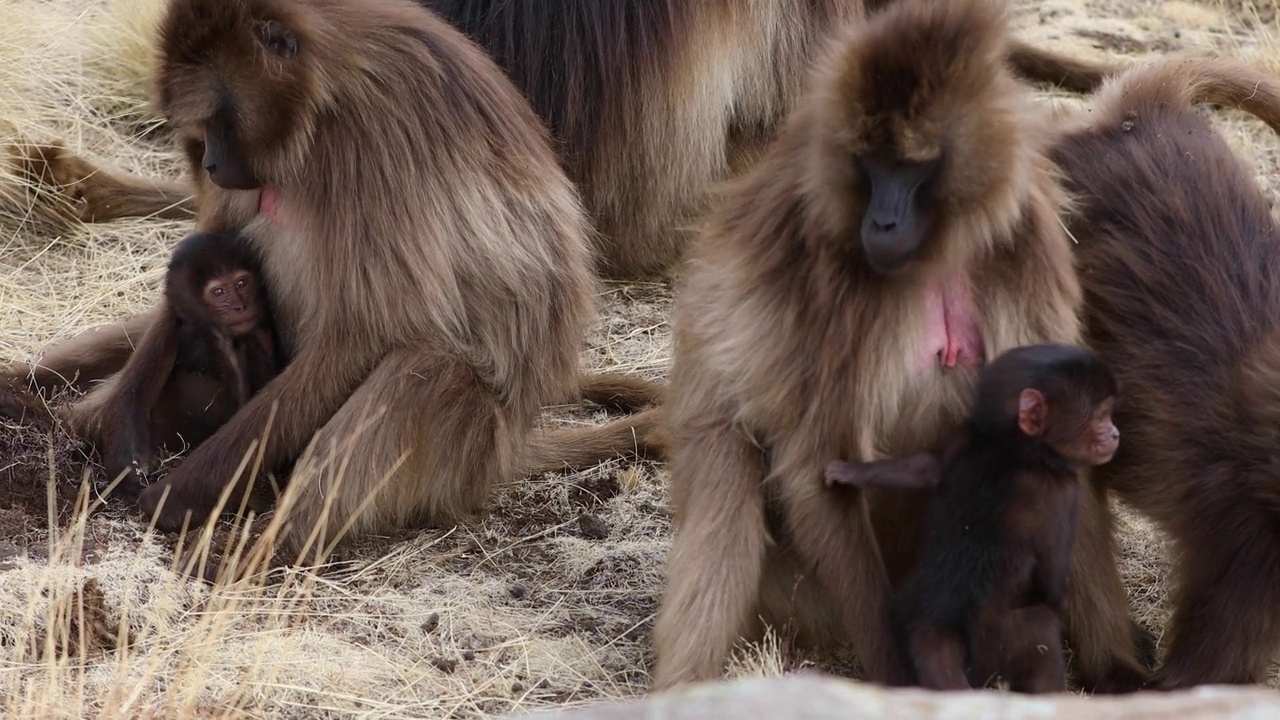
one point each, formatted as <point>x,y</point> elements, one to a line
<point>546,601</point>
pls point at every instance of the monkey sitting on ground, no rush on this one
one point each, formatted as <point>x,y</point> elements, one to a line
<point>1179,255</point>
<point>212,349</point>
<point>992,576</point>
<point>839,303</point>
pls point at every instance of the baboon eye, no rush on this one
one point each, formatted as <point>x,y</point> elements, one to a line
<point>277,38</point>
<point>218,292</point>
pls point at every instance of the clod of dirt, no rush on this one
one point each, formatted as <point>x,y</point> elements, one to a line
<point>81,617</point>
<point>468,655</point>
<point>591,527</point>
<point>431,623</point>
<point>518,591</point>
<point>444,665</point>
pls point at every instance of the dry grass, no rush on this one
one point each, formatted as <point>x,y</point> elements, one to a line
<point>548,601</point>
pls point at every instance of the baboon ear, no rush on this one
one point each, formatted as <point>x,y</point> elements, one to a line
<point>1032,410</point>
<point>276,37</point>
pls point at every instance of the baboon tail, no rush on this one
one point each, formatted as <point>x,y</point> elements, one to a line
<point>558,449</point>
<point>83,359</point>
<point>1034,63</point>
<point>1204,80</point>
<point>620,391</point>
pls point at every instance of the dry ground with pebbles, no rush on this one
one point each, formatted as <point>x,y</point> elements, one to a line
<point>546,601</point>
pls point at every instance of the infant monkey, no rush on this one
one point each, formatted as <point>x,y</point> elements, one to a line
<point>984,596</point>
<point>212,348</point>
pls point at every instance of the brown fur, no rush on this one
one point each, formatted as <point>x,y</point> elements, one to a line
<point>100,193</point>
<point>652,102</point>
<point>84,359</point>
<point>1180,260</point>
<point>790,351</point>
<point>458,247</point>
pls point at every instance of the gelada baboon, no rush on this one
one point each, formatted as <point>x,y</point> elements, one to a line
<point>902,229</point>
<point>1180,264</point>
<point>651,101</point>
<point>426,255</point>
<point>213,349</point>
<point>985,597</point>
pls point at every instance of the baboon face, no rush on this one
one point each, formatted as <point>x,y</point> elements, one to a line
<point>235,78</point>
<point>938,145</point>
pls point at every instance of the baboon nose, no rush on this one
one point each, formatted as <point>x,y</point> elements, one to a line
<point>211,168</point>
<point>883,226</point>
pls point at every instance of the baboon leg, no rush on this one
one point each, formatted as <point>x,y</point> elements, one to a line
<point>1033,662</point>
<point>716,559</point>
<point>898,518</point>
<point>85,358</point>
<point>1224,624</point>
<point>426,401</point>
<point>97,193</point>
<point>834,538</point>
<point>1099,626</point>
<point>939,658</point>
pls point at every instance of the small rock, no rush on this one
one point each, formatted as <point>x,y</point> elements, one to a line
<point>517,591</point>
<point>517,686</point>
<point>468,655</point>
<point>592,527</point>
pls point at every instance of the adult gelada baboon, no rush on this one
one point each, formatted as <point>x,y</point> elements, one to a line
<point>1180,263</point>
<point>428,255</point>
<point>901,230</point>
<point>650,101</point>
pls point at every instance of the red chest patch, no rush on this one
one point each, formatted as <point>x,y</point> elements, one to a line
<point>268,201</point>
<point>953,334</point>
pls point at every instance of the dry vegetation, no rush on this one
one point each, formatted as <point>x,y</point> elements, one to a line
<point>547,601</point>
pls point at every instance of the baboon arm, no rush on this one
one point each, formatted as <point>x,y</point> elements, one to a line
<point>305,395</point>
<point>129,411</point>
<point>914,472</point>
<point>717,559</point>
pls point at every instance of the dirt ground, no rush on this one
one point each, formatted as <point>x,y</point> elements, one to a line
<point>548,600</point>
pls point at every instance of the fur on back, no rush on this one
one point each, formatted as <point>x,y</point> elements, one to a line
<point>1180,261</point>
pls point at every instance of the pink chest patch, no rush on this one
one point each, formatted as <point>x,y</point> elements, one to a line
<point>953,335</point>
<point>268,201</point>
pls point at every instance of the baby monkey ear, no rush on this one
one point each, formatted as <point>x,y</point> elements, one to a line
<point>1032,411</point>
